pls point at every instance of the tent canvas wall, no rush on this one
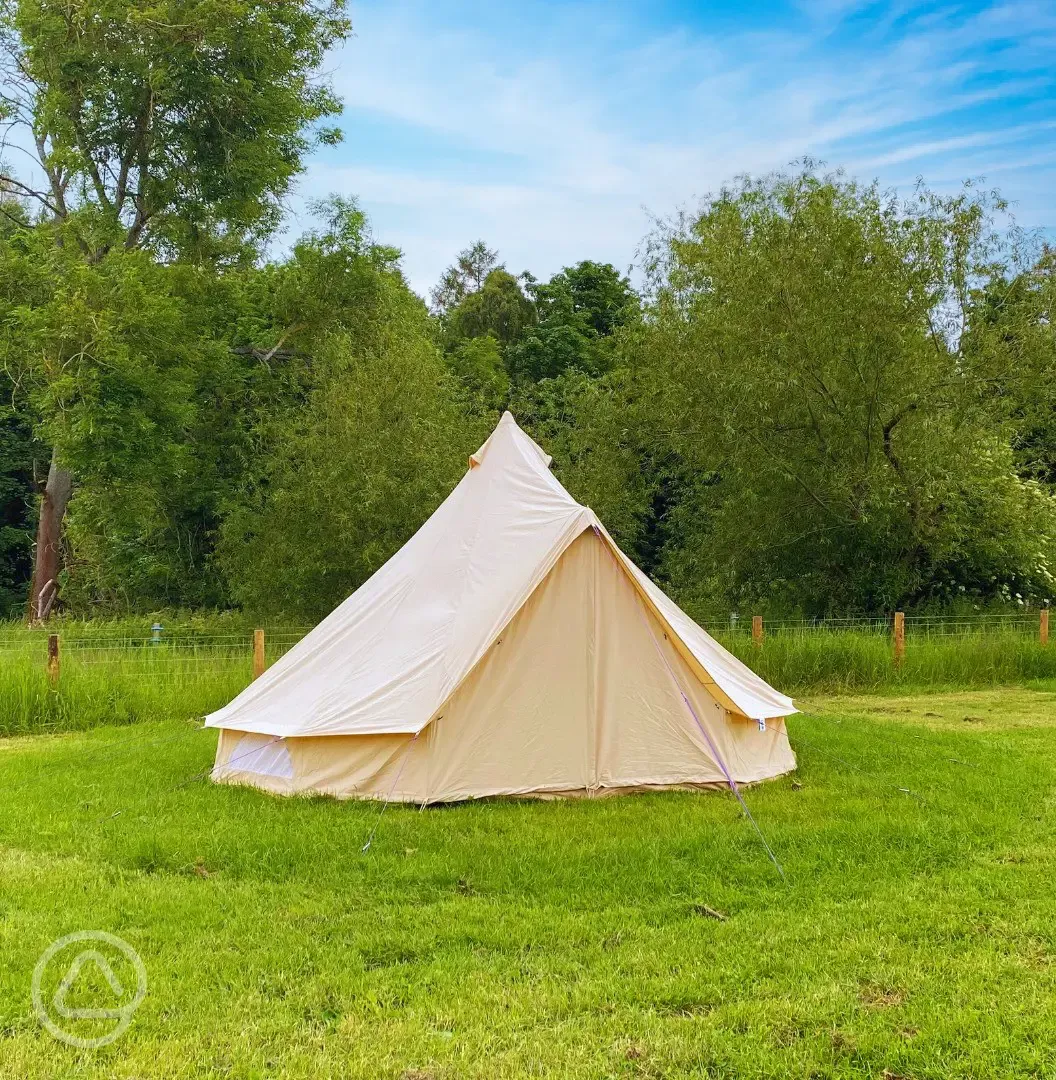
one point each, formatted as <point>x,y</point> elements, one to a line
<point>509,648</point>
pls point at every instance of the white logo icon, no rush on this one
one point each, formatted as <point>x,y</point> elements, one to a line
<point>89,1026</point>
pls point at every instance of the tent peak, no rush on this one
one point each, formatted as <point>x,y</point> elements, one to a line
<point>508,430</point>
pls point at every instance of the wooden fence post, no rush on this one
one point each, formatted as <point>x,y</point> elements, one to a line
<point>258,653</point>
<point>757,629</point>
<point>900,638</point>
<point>53,658</point>
<point>1043,626</point>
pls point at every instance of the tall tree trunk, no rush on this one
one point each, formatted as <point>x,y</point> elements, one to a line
<point>45,585</point>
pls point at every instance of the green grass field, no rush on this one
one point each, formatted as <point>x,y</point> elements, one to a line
<point>915,936</point>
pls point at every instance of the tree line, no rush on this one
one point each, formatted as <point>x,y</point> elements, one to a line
<point>817,397</point>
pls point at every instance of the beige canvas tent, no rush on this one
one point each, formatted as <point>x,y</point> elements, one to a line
<point>509,648</point>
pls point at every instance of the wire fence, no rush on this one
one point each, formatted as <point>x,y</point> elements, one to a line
<point>179,654</point>
<point>82,676</point>
<point>157,649</point>
<point>1028,623</point>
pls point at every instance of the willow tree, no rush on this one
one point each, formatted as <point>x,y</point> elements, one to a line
<point>804,360</point>
<point>172,127</point>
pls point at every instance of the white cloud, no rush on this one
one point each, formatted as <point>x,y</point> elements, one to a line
<point>554,145</point>
<point>935,147</point>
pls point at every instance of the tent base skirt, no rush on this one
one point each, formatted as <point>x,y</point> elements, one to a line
<point>277,786</point>
<point>286,785</point>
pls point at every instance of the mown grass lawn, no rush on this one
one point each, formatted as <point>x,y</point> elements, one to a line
<point>915,936</point>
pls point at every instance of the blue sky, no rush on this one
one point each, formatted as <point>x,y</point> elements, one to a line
<point>556,130</point>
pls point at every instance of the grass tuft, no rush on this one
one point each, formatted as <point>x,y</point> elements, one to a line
<point>842,661</point>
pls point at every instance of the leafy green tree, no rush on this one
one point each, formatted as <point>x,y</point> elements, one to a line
<point>332,280</point>
<point>1010,344</point>
<point>599,448</point>
<point>122,361</point>
<point>174,127</point>
<point>594,295</point>
<point>478,366</point>
<point>380,442</point>
<point>19,452</point>
<point>175,124</point>
<point>230,363</point>
<point>466,276</point>
<point>499,308</point>
<point>800,358</point>
<point>579,311</point>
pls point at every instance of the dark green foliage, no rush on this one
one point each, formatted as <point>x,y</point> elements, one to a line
<point>543,329</point>
<point>370,441</point>
<point>587,425</point>
<point>477,365</point>
<point>467,275</point>
<point>351,477</point>
<point>579,310</point>
<point>126,372</point>
<point>829,401</point>
<point>171,131</point>
<point>188,403</point>
<point>311,542</point>
<point>18,455</point>
<point>591,296</point>
<point>499,307</point>
<point>1012,348</point>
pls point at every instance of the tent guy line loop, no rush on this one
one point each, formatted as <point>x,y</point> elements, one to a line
<point>385,805</point>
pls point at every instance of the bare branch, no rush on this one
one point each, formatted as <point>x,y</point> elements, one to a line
<point>889,427</point>
<point>58,188</point>
<point>136,149</point>
<point>40,196</point>
<point>90,162</point>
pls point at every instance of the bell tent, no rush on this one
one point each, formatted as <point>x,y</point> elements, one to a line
<point>509,648</point>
